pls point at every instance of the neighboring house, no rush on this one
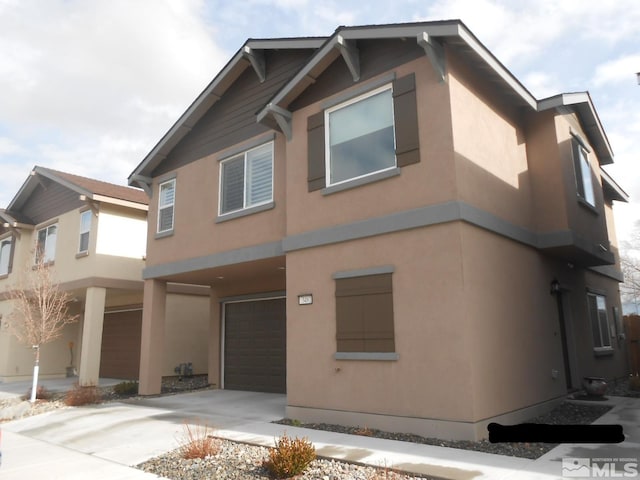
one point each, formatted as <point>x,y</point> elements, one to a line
<point>397,233</point>
<point>94,235</point>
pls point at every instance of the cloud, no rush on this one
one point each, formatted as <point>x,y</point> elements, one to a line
<point>75,64</point>
<point>620,70</point>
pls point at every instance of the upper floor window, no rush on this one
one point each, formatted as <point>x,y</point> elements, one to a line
<point>360,136</point>
<point>166,203</point>
<point>584,181</point>
<point>366,138</point>
<point>5,256</point>
<point>246,180</point>
<point>46,244</point>
<point>599,320</point>
<point>85,228</point>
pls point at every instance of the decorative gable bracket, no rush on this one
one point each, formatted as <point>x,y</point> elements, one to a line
<point>350,54</point>
<point>435,54</point>
<point>256,57</point>
<point>283,118</point>
<point>144,182</point>
<point>93,206</point>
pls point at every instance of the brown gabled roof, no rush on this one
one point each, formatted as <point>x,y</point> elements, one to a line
<point>98,187</point>
<point>93,189</point>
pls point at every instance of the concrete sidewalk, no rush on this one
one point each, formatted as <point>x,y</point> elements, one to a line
<point>106,440</point>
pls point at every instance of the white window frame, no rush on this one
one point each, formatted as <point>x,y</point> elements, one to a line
<point>86,232</point>
<point>3,244</point>
<point>599,343</point>
<point>162,206</point>
<point>327,136</point>
<point>46,240</point>
<point>246,185</point>
<point>584,179</point>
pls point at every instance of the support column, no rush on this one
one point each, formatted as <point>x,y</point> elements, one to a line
<point>92,336</point>
<point>152,345</point>
<point>214,342</point>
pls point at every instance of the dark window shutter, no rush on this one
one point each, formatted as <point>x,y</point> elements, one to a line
<point>315,152</point>
<point>405,111</point>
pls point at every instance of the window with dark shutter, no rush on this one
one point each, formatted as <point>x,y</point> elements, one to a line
<point>370,133</point>
<point>364,314</point>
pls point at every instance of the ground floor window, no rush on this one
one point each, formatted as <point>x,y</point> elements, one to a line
<point>364,313</point>
<point>599,320</point>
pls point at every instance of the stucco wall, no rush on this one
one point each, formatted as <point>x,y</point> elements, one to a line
<point>430,181</point>
<point>490,148</point>
<point>429,327</point>
<point>186,333</point>
<point>196,232</point>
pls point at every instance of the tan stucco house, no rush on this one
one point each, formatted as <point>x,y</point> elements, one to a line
<point>396,233</point>
<point>93,234</point>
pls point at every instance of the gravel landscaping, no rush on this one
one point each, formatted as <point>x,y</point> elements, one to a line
<point>242,461</point>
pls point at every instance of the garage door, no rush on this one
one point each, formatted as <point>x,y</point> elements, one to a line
<point>121,336</point>
<point>255,346</point>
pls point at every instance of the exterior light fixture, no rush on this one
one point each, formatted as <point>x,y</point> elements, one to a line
<point>554,287</point>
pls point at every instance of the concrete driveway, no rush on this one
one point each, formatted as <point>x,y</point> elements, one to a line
<point>119,433</point>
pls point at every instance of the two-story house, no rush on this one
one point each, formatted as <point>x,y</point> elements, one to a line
<point>93,234</point>
<point>396,232</point>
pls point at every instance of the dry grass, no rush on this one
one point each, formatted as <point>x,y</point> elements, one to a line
<point>79,396</point>
<point>290,457</point>
<point>198,442</point>
<point>364,431</point>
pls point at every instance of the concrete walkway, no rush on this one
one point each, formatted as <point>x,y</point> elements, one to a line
<point>105,440</point>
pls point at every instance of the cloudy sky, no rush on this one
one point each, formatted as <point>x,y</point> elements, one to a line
<point>90,86</point>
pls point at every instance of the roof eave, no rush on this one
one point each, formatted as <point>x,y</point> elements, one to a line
<point>439,30</point>
<point>616,192</point>
<point>210,95</point>
<point>582,105</point>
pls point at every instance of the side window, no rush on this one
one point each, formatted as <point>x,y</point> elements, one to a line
<point>166,203</point>
<point>364,314</point>
<point>5,256</point>
<point>370,133</point>
<point>584,180</point>
<point>46,244</point>
<point>246,180</point>
<point>599,320</point>
<point>85,229</point>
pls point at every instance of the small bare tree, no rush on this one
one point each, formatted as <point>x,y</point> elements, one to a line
<point>40,312</point>
<point>630,264</point>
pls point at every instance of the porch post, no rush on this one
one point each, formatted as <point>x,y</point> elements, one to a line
<point>214,339</point>
<point>152,344</point>
<point>92,336</point>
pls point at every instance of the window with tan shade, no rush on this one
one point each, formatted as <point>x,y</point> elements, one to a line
<point>364,314</point>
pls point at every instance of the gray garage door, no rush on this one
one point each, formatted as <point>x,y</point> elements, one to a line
<point>255,346</point>
<point>121,336</point>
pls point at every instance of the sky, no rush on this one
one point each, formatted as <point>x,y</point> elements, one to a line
<point>90,86</point>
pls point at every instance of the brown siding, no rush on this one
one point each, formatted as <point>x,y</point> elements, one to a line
<point>376,57</point>
<point>50,201</point>
<point>364,314</point>
<point>233,118</point>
